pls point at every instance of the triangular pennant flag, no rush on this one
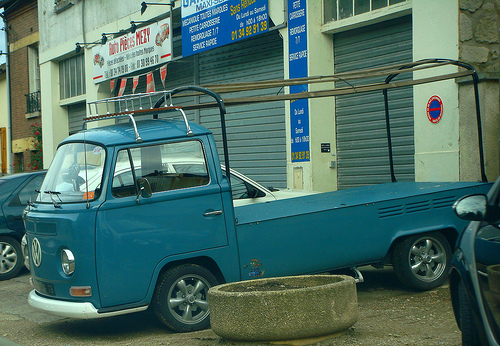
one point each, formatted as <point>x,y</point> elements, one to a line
<point>163,74</point>
<point>123,84</point>
<point>135,82</point>
<point>150,83</point>
<point>112,84</point>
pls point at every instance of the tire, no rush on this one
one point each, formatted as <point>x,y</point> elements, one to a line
<point>467,325</point>
<point>422,261</point>
<point>11,258</point>
<point>180,300</point>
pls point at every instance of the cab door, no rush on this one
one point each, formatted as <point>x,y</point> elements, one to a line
<point>182,215</point>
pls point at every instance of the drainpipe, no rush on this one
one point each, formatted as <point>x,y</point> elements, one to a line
<point>9,109</point>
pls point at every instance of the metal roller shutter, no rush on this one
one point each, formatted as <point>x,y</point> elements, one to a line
<point>362,154</point>
<point>256,133</point>
<point>76,113</point>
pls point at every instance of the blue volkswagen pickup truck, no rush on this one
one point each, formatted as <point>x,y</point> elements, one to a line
<point>140,215</point>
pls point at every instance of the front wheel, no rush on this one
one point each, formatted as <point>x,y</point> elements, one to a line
<point>422,261</point>
<point>470,336</point>
<point>180,298</point>
<point>11,258</point>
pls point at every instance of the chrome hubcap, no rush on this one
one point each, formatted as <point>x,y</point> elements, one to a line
<point>427,259</point>
<point>187,299</point>
<point>8,258</point>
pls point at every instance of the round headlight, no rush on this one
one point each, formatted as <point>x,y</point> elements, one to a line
<point>67,262</point>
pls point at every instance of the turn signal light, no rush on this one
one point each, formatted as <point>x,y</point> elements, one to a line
<point>80,291</point>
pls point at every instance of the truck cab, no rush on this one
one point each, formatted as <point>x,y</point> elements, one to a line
<point>115,210</point>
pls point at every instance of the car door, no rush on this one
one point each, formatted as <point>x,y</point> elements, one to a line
<point>182,215</point>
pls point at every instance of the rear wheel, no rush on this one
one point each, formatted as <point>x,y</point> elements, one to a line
<point>11,258</point>
<point>180,298</point>
<point>422,261</point>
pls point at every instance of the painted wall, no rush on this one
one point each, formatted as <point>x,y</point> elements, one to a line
<point>436,145</point>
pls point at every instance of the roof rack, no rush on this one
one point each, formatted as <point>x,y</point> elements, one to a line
<point>124,106</point>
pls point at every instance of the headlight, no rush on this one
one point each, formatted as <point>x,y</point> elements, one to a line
<point>67,262</point>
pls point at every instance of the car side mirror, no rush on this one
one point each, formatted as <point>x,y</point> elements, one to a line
<point>144,189</point>
<point>472,207</point>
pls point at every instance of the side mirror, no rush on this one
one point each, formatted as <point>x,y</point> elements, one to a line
<point>145,189</point>
<point>472,208</point>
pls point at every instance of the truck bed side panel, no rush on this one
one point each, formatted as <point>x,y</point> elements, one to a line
<point>334,230</point>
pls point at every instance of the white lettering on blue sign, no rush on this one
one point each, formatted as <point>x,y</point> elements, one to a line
<point>190,7</point>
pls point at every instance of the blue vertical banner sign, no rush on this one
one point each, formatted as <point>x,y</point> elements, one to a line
<point>297,68</point>
<point>208,24</point>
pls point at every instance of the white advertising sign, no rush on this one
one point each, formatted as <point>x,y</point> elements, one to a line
<point>148,46</point>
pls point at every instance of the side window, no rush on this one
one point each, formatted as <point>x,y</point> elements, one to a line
<point>239,189</point>
<point>167,167</point>
<point>123,178</point>
<point>28,192</point>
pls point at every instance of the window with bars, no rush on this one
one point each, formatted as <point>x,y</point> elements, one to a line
<point>341,9</point>
<point>72,76</point>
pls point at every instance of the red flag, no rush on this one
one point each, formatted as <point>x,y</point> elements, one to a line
<point>112,84</point>
<point>135,81</point>
<point>150,83</point>
<point>163,74</point>
<point>123,84</point>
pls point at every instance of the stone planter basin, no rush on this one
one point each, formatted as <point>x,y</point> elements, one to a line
<point>284,308</point>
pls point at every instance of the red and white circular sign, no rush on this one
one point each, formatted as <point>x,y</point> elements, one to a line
<point>434,109</point>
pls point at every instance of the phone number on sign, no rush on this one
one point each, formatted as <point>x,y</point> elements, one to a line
<point>250,29</point>
<point>127,68</point>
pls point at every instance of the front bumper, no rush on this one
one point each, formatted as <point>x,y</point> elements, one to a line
<point>81,310</point>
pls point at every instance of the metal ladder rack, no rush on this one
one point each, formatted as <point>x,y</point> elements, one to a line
<point>124,106</point>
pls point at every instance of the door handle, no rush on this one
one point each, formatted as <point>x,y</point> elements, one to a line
<point>213,213</point>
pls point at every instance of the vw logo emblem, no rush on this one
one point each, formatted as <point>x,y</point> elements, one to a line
<point>36,251</point>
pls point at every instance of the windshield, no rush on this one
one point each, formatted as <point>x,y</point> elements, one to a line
<point>67,179</point>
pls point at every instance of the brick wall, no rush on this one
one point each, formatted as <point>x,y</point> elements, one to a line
<point>22,21</point>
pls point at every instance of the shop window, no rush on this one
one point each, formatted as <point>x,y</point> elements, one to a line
<point>341,9</point>
<point>72,76</point>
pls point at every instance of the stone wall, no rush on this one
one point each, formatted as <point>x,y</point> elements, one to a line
<point>479,34</point>
<point>480,46</point>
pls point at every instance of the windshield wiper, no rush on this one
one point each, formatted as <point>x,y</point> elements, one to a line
<point>52,193</point>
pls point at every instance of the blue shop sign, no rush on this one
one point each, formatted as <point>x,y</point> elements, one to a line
<point>208,24</point>
<point>297,68</point>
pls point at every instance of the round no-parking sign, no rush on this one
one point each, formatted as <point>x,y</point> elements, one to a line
<point>434,109</point>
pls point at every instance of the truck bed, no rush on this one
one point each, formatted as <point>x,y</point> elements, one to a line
<point>342,228</point>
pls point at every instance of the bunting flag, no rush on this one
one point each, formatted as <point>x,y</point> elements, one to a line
<point>150,83</point>
<point>112,84</point>
<point>135,82</point>
<point>123,84</point>
<point>163,74</point>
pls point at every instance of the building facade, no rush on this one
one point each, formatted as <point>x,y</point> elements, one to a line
<point>21,116</point>
<point>317,144</point>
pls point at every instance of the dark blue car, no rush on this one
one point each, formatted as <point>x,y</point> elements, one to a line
<point>475,276</point>
<point>15,192</point>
